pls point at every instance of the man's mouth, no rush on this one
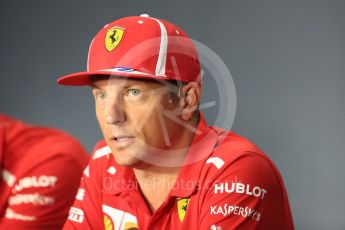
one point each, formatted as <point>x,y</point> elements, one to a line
<point>122,141</point>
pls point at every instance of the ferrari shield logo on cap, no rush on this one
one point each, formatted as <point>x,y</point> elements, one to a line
<point>113,37</point>
<point>182,204</point>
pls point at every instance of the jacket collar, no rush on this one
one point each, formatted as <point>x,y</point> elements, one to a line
<point>201,148</point>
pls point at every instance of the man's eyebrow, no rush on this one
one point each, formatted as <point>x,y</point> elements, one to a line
<point>93,86</point>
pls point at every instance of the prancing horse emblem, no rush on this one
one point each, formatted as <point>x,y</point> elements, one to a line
<point>113,38</point>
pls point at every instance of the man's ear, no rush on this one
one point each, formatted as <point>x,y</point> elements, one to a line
<point>190,97</point>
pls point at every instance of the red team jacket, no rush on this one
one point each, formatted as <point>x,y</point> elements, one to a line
<point>231,184</point>
<point>40,173</point>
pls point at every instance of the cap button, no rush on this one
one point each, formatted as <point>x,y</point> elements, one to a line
<point>145,15</point>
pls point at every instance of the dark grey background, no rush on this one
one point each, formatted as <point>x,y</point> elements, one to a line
<point>286,58</point>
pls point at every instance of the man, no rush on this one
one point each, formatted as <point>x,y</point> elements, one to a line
<point>40,172</point>
<point>160,165</point>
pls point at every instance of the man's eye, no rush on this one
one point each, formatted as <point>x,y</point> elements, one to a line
<point>101,96</point>
<point>134,92</point>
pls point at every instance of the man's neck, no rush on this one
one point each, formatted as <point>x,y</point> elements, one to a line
<point>156,181</point>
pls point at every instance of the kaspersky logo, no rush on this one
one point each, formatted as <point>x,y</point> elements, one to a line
<point>113,38</point>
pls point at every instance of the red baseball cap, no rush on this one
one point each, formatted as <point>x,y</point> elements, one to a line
<point>140,47</point>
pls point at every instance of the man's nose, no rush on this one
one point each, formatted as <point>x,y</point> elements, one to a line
<point>115,114</point>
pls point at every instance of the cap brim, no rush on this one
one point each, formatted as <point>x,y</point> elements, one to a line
<point>85,78</point>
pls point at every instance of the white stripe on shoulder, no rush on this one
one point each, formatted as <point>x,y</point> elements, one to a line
<point>8,177</point>
<point>218,162</point>
<point>87,171</point>
<point>102,152</point>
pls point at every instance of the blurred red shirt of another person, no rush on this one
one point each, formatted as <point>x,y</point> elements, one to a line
<point>40,173</point>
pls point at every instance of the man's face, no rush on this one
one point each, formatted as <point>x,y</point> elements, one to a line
<point>132,115</point>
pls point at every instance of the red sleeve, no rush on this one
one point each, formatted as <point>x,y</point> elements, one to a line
<point>86,212</point>
<point>246,194</point>
<point>42,194</point>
